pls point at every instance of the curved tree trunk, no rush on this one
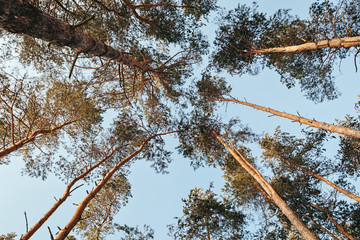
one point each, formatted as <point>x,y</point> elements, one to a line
<point>82,205</point>
<point>18,16</point>
<point>275,198</point>
<point>331,43</point>
<point>313,123</point>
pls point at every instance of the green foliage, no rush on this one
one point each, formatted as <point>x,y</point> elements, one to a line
<point>166,35</point>
<point>238,31</point>
<point>135,129</point>
<point>245,29</point>
<point>349,152</point>
<point>206,215</point>
<point>140,29</point>
<point>198,143</point>
<point>299,189</point>
<point>43,111</point>
<point>195,128</point>
<point>134,233</point>
<point>97,219</point>
<point>282,149</point>
<point>127,133</point>
<point>9,236</point>
<point>239,185</point>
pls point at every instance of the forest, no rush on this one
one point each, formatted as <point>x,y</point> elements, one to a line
<point>179,119</point>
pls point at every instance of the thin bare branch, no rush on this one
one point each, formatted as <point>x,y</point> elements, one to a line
<point>313,123</point>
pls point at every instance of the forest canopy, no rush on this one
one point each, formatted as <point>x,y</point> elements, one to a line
<point>91,89</point>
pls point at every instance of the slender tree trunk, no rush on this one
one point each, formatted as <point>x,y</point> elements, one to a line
<point>331,43</point>
<point>276,199</point>
<point>321,125</point>
<point>338,226</point>
<point>18,16</point>
<point>82,205</point>
<point>67,193</point>
<point>338,188</point>
<point>207,228</point>
<point>6,151</point>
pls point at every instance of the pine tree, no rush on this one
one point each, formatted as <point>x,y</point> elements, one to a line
<point>207,215</point>
<point>248,40</point>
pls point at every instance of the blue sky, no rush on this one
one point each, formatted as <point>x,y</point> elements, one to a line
<point>156,197</point>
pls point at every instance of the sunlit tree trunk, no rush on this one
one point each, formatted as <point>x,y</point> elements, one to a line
<point>18,16</point>
<point>330,43</point>
<point>275,198</point>
<point>68,190</point>
<point>313,123</point>
<point>207,228</point>
<point>32,136</point>
<point>82,205</point>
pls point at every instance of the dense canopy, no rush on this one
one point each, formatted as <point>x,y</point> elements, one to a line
<point>91,88</point>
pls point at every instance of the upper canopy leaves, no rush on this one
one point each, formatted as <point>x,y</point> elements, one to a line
<point>245,30</point>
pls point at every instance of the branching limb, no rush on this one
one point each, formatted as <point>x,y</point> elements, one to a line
<point>82,205</point>
<point>67,193</point>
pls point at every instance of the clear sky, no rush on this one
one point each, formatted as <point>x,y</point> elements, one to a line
<point>156,197</point>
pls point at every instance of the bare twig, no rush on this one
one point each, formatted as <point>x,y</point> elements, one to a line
<point>51,235</point>
<point>73,63</point>
<point>26,222</point>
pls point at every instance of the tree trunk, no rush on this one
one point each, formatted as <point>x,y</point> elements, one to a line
<point>338,188</point>
<point>6,151</point>
<point>321,125</point>
<point>207,228</point>
<point>82,205</point>
<point>18,16</point>
<point>276,199</point>
<point>331,43</point>
<point>68,190</point>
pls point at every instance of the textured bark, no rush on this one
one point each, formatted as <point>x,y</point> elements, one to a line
<point>82,205</point>
<point>6,151</point>
<point>275,198</point>
<point>68,190</point>
<point>18,16</point>
<point>313,123</point>
<point>331,43</point>
<point>338,188</point>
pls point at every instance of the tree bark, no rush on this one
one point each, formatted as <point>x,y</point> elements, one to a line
<point>18,16</point>
<point>330,43</point>
<point>275,198</point>
<point>6,151</point>
<point>68,190</point>
<point>82,205</point>
<point>313,123</point>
